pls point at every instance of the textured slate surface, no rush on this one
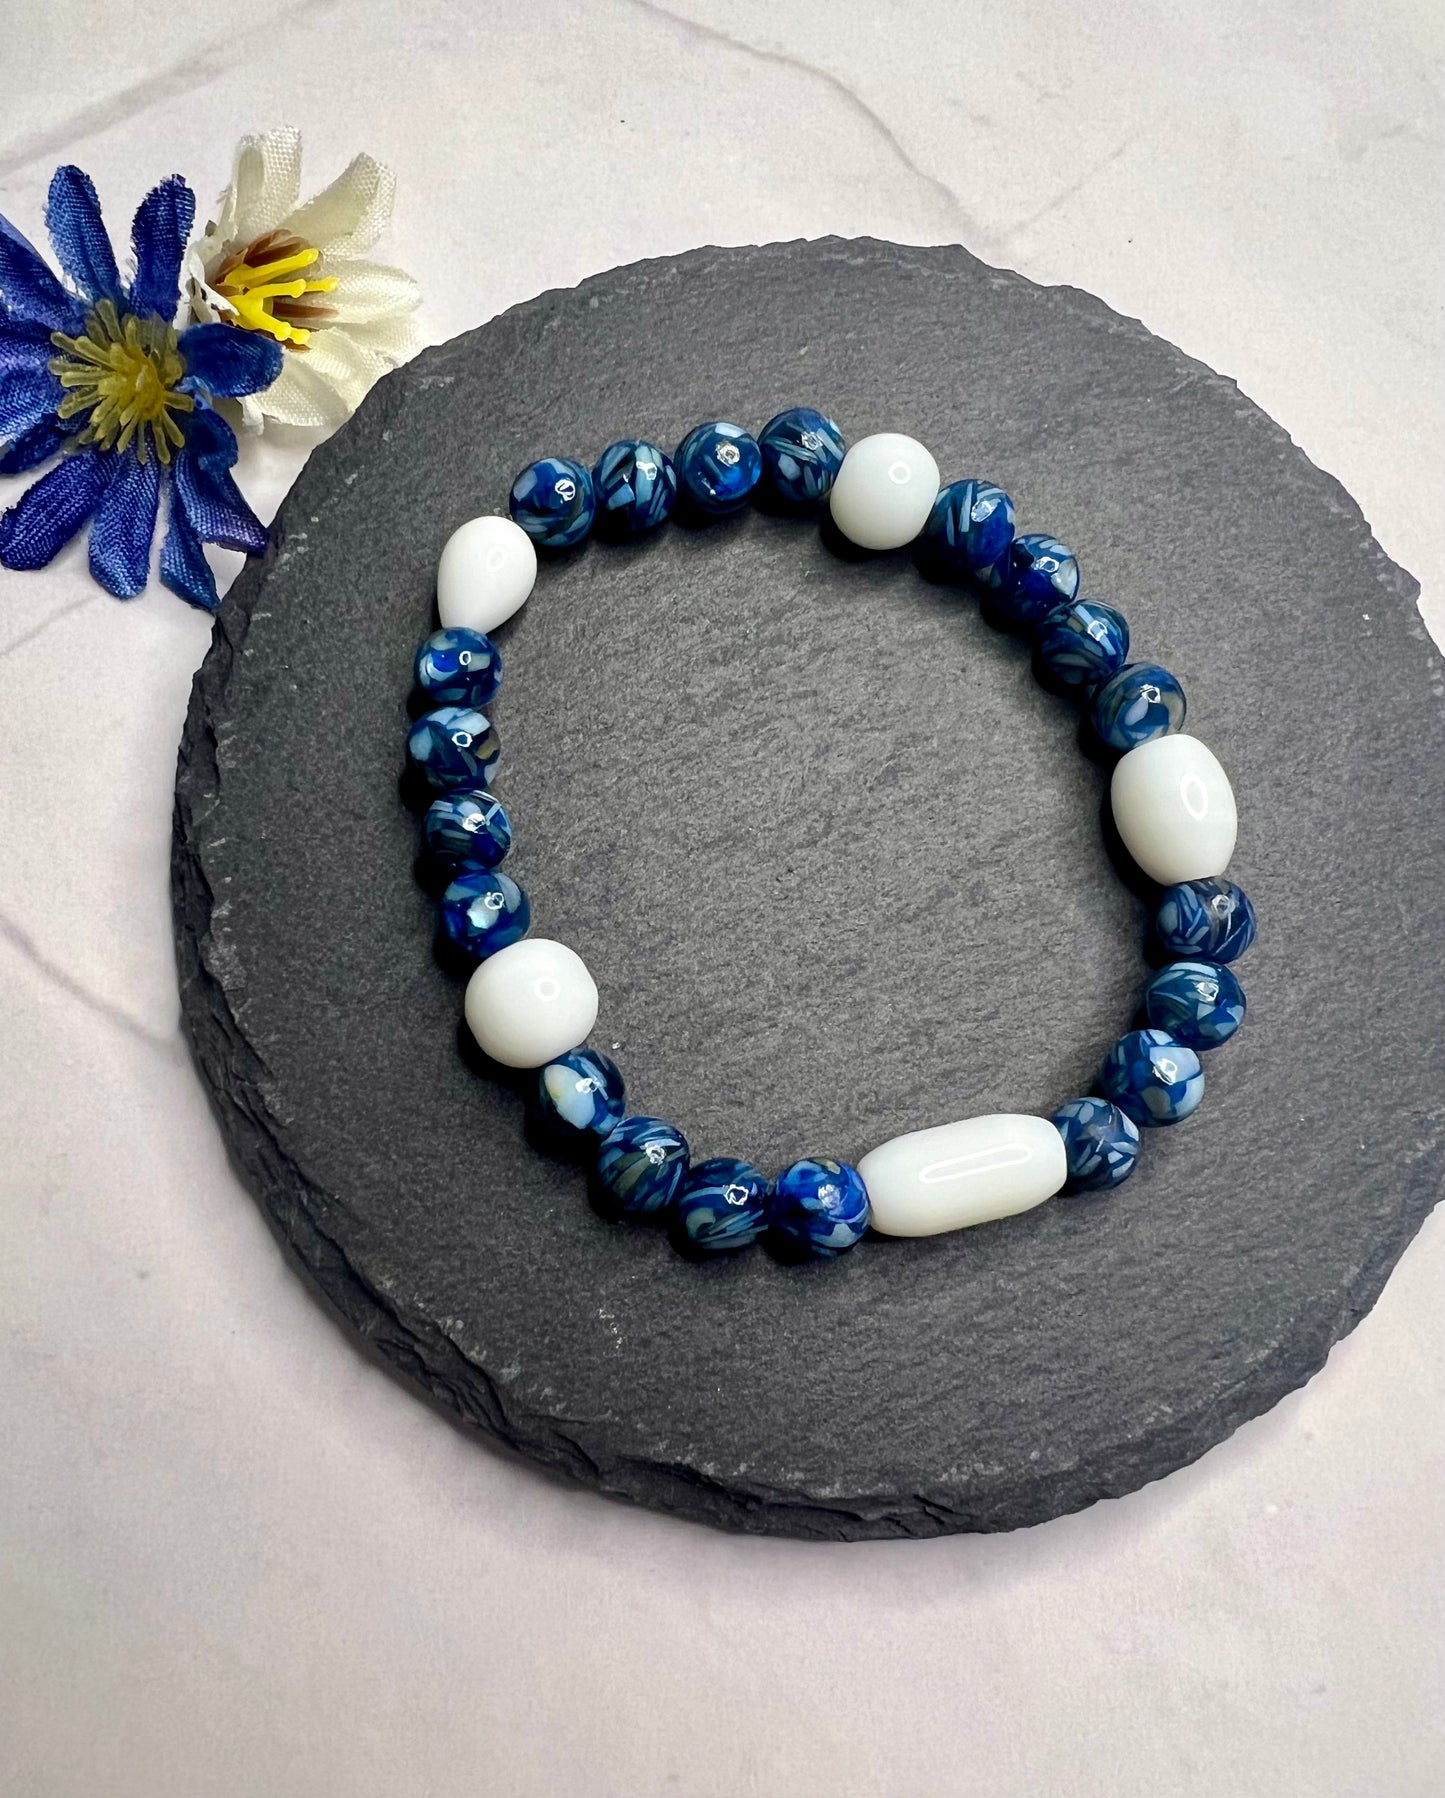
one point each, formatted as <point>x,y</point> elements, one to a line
<point>836,861</point>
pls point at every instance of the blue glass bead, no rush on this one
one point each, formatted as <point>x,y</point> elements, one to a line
<point>553,502</point>
<point>1198,1002</point>
<point>641,1165</point>
<point>1141,702</point>
<point>467,829</point>
<point>802,451</point>
<point>1100,1141</point>
<point>718,465</point>
<point>483,911</point>
<point>1210,919</point>
<point>459,667</point>
<point>454,746</point>
<point>723,1204</point>
<point>580,1096</point>
<point>820,1207</point>
<point>969,531</point>
<point>1040,574</point>
<point>1084,642</point>
<point>635,486</point>
<point>1152,1076</point>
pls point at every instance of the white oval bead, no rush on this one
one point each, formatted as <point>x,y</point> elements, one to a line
<point>531,1002</point>
<point>884,491</point>
<point>487,568</point>
<point>957,1175</point>
<point>1174,808</point>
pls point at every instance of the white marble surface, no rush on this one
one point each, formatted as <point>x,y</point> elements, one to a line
<point>235,1557</point>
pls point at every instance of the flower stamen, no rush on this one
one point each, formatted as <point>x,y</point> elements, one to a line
<point>125,372</point>
<point>255,287</point>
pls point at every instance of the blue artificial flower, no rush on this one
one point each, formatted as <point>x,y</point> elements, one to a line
<point>95,372</point>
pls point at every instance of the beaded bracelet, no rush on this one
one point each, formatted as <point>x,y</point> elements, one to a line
<point>531,1002</point>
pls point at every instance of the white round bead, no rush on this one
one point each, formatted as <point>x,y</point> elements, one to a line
<point>487,569</point>
<point>884,491</point>
<point>1174,808</point>
<point>531,1002</point>
<point>957,1175</point>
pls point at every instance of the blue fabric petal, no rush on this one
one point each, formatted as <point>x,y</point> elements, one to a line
<point>72,217</point>
<point>23,344</point>
<point>46,516</point>
<point>158,236</point>
<point>124,524</point>
<point>204,490</point>
<point>26,396</point>
<point>34,446</point>
<point>229,361</point>
<point>184,568</point>
<point>17,236</point>
<point>30,291</point>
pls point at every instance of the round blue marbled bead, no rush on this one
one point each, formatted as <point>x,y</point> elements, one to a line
<point>454,746</point>
<point>635,485</point>
<point>1040,574</point>
<point>641,1164</point>
<point>1100,1141</point>
<point>1198,1002</point>
<point>1141,702</point>
<point>802,451</point>
<point>467,829</point>
<point>969,532</point>
<point>1084,642</point>
<point>580,1096</point>
<point>459,667</point>
<point>483,911</point>
<point>1212,920</point>
<point>820,1207</point>
<point>718,465</point>
<point>723,1204</point>
<point>1153,1077</point>
<point>553,502</point>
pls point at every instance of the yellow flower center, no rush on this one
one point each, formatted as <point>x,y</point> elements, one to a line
<point>125,371</point>
<point>255,284</point>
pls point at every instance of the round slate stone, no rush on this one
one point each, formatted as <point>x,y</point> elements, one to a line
<point>775,984</point>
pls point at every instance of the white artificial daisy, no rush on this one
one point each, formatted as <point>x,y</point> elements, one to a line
<point>301,275</point>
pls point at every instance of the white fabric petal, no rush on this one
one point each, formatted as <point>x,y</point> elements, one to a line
<point>349,366</point>
<point>265,185</point>
<point>346,218</point>
<point>204,253</point>
<point>206,305</point>
<point>390,340</point>
<point>302,395</point>
<point>369,290</point>
<point>219,229</point>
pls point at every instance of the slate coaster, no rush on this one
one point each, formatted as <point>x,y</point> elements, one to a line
<point>835,859</point>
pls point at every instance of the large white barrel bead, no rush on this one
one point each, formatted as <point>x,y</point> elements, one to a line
<point>1174,808</point>
<point>486,572</point>
<point>884,491</point>
<point>531,1002</point>
<point>957,1175</point>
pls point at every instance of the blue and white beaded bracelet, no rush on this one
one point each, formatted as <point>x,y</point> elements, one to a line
<point>531,1002</point>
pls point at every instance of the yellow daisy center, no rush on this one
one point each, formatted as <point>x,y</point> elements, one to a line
<point>125,371</point>
<point>267,290</point>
